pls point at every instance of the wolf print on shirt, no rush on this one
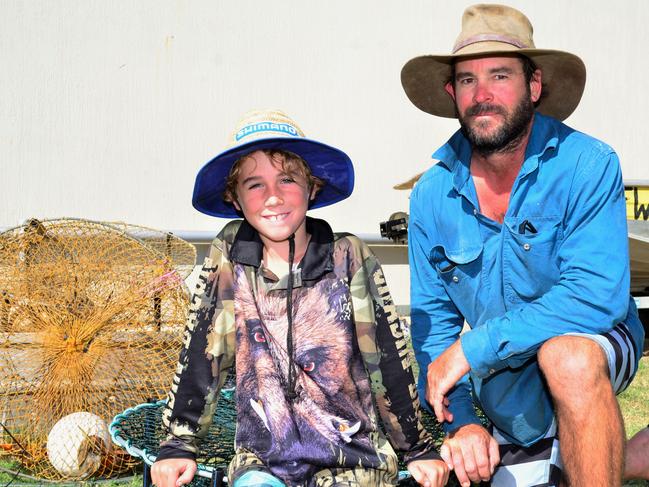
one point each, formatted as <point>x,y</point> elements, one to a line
<point>331,411</point>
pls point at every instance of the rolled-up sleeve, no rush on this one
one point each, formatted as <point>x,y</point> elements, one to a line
<point>592,292</point>
<point>436,322</point>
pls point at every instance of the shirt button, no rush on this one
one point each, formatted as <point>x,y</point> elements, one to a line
<point>492,371</point>
<point>475,211</point>
<point>527,246</point>
<point>456,279</point>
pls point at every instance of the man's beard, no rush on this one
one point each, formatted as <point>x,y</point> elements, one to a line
<point>507,137</point>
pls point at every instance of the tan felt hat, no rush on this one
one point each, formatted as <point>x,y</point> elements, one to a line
<point>492,30</point>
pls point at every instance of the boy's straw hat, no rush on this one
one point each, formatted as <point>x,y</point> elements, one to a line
<point>495,30</point>
<point>272,129</point>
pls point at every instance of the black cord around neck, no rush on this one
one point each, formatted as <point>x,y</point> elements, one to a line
<point>290,392</point>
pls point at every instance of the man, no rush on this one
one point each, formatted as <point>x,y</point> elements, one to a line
<point>520,231</point>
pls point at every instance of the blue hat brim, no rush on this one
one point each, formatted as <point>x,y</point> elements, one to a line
<point>331,165</point>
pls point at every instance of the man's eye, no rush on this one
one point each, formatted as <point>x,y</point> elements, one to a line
<point>465,81</point>
<point>501,77</point>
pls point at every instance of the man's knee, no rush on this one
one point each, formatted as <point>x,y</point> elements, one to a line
<point>573,362</point>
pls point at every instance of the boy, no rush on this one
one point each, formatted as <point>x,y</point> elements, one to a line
<point>310,321</point>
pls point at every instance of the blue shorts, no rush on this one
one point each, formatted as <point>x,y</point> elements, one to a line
<point>539,465</point>
<point>256,478</point>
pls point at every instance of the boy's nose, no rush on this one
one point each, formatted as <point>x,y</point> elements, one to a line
<point>274,200</point>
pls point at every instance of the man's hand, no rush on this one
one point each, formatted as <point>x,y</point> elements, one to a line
<point>472,452</point>
<point>429,473</point>
<point>173,472</point>
<point>443,373</point>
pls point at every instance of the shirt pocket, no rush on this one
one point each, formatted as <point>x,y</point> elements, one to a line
<point>458,270</point>
<point>530,264</point>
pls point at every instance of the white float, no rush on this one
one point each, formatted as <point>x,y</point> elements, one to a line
<point>76,443</point>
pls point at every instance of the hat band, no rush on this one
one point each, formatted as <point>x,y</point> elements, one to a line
<point>282,128</point>
<point>488,37</point>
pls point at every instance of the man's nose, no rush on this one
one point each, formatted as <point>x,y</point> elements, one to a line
<point>482,91</point>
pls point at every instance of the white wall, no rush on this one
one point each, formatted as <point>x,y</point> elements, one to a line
<point>109,108</point>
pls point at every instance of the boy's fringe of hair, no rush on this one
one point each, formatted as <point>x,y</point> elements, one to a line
<point>292,164</point>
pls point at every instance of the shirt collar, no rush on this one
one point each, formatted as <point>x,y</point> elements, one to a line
<point>543,137</point>
<point>456,156</point>
<point>248,249</point>
<point>456,153</point>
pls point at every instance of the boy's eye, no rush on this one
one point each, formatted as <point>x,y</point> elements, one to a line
<point>287,180</point>
<point>254,185</point>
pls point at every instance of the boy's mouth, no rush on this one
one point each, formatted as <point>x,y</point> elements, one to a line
<point>275,218</point>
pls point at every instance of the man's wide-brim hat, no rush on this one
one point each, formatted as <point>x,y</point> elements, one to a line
<point>273,130</point>
<point>495,30</point>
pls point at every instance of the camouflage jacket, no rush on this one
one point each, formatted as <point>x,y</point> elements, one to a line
<point>354,378</point>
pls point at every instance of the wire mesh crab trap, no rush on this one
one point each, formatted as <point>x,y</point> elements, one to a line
<point>91,322</point>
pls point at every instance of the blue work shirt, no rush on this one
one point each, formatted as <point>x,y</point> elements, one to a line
<point>558,263</point>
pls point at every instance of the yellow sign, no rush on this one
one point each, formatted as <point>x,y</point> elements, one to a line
<point>637,202</point>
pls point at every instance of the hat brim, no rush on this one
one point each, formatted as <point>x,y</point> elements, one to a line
<point>410,183</point>
<point>564,77</point>
<point>331,165</point>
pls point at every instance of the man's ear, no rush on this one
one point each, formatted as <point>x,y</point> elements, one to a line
<point>536,86</point>
<point>450,89</point>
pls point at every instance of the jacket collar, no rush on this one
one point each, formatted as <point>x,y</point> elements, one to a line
<point>248,249</point>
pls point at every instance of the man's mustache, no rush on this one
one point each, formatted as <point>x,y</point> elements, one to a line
<point>481,108</point>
